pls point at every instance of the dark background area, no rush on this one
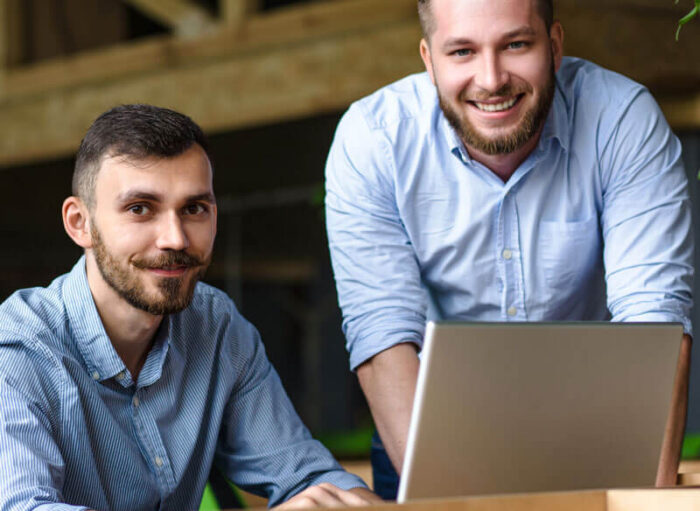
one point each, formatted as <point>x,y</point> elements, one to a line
<point>270,255</point>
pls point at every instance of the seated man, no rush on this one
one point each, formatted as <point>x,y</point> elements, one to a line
<point>125,380</point>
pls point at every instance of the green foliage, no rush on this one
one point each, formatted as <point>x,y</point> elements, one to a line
<point>685,19</point>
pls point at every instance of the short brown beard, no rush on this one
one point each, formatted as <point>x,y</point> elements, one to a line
<point>533,120</point>
<point>129,286</point>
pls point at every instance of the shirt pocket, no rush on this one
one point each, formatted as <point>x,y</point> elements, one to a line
<point>435,213</point>
<point>569,252</point>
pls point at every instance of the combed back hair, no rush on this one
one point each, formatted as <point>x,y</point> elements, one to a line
<point>544,7</point>
<point>132,131</point>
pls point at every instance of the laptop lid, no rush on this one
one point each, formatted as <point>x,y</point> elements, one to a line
<point>524,407</point>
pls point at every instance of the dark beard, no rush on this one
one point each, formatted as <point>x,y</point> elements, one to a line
<point>129,287</point>
<point>533,120</point>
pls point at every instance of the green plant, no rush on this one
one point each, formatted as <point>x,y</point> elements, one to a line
<point>685,19</point>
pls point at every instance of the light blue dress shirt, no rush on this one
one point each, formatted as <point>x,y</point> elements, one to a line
<point>594,224</point>
<point>77,432</point>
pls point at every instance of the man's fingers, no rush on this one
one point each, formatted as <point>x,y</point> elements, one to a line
<point>326,495</point>
<point>347,498</point>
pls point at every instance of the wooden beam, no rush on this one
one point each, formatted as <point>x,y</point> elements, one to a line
<point>4,36</point>
<point>235,12</point>
<point>303,61</point>
<point>10,33</point>
<point>185,17</point>
<point>279,28</point>
<point>309,78</point>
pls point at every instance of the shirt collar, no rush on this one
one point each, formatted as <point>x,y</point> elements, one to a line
<point>89,335</point>
<point>555,127</point>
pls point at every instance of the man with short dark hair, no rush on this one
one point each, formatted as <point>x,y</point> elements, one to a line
<point>125,380</point>
<point>507,183</point>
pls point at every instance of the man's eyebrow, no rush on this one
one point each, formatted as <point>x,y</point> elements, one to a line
<point>138,195</point>
<point>155,197</point>
<point>523,31</point>
<point>519,32</point>
<point>457,41</point>
<point>202,197</point>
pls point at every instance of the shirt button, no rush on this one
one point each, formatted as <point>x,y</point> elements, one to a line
<point>158,461</point>
<point>95,375</point>
<point>136,401</point>
<point>512,311</point>
<point>120,376</point>
<point>507,254</point>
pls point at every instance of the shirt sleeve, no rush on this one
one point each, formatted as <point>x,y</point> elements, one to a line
<point>376,271</point>
<point>31,466</point>
<point>646,218</point>
<point>263,446</point>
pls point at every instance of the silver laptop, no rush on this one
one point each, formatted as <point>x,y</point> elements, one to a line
<point>525,407</point>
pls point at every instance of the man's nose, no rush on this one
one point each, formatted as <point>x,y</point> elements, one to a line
<point>172,235</point>
<point>491,76</point>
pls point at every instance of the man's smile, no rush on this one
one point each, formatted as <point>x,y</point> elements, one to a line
<point>169,271</point>
<point>497,105</point>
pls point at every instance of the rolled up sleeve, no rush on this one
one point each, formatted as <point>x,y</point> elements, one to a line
<point>376,270</point>
<point>646,221</point>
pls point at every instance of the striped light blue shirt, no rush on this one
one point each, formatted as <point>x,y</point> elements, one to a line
<point>77,432</point>
<point>594,224</point>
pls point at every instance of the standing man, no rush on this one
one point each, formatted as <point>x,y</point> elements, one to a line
<point>125,380</point>
<point>507,183</point>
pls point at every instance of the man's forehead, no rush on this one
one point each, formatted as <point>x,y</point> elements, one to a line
<point>123,174</point>
<point>452,12</point>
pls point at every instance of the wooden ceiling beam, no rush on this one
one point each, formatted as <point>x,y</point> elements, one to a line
<point>185,17</point>
<point>260,32</point>
<point>285,82</point>
<point>235,12</point>
<point>303,61</point>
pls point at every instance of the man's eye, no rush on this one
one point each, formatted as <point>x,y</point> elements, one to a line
<point>138,209</point>
<point>195,209</point>
<point>462,52</point>
<point>516,45</point>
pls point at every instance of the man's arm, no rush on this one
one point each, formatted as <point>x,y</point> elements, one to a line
<point>667,473</point>
<point>31,466</point>
<point>263,446</point>
<point>389,381</point>
<point>647,231</point>
<point>377,275</point>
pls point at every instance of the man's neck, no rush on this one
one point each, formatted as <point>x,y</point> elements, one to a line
<point>130,330</point>
<point>504,165</point>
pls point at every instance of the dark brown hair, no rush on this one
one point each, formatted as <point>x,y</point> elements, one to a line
<point>544,7</point>
<point>134,131</point>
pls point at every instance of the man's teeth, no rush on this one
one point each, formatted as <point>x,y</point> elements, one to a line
<point>497,107</point>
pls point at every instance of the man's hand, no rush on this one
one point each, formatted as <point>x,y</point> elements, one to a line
<point>328,495</point>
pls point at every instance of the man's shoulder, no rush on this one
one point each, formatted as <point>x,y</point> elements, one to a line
<point>590,87</point>
<point>32,336</point>
<point>30,312</point>
<point>412,97</point>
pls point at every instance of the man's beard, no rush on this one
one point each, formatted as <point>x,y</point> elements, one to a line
<point>174,296</point>
<point>531,123</point>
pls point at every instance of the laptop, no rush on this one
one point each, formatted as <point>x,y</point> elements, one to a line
<point>531,407</point>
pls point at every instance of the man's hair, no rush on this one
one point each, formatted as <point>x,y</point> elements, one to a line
<point>132,131</point>
<point>544,7</point>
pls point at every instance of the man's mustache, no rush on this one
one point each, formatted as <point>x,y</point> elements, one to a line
<point>169,259</point>
<point>508,90</point>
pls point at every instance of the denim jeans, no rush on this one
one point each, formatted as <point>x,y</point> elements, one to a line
<point>386,480</point>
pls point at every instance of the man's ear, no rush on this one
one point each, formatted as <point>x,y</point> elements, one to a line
<point>556,35</point>
<point>76,221</point>
<point>427,58</point>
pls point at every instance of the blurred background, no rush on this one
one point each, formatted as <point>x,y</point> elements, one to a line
<point>268,81</point>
